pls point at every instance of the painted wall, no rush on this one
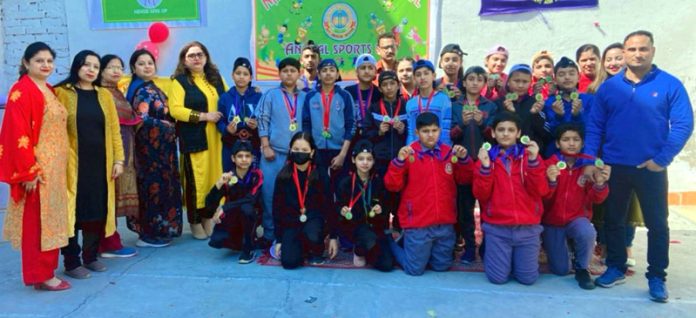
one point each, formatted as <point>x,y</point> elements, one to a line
<point>64,24</point>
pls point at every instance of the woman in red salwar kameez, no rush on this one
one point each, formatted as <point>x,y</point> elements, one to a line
<point>33,161</point>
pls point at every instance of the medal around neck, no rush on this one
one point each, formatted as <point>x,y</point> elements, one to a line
<point>348,216</point>
<point>303,218</point>
<point>293,126</point>
<point>326,134</point>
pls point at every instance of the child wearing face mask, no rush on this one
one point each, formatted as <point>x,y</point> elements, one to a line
<point>362,220</point>
<point>303,209</point>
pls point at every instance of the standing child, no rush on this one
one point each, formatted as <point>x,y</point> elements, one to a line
<point>472,116</point>
<point>568,206</point>
<point>452,84</point>
<point>568,105</point>
<point>518,101</point>
<point>363,220</point>
<point>427,172</point>
<point>542,71</point>
<point>302,208</point>
<point>280,116</point>
<point>240,188</point>
<point>238,107</point>
<point>509,183</point>
<point>496,60</point>
<point>328,116</point>
<point>428,100</point>
<point>364,93</point>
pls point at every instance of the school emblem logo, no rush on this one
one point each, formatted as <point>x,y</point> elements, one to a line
<point>448,168</point>
<point>339,21</point>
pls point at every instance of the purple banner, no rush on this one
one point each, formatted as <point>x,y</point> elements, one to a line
<point>493,7</point>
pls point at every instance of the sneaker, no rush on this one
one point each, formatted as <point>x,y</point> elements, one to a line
<point>469,256</point>
<point>124,252</point>
<point>153,243</point>
<point>612,276</point>
<point>584,279</point>
<point>658,290</point>
<point>246,257</point>
<point>359,261</point>
<point>96,266</point>
<point>272,251</point>
<point>78,273</point>
<point>316,260</point>
<point>630,262</point>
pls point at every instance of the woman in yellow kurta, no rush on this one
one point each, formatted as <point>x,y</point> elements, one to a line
<point>193,99</point>
<point>95,161</point>
<point>33,161</point>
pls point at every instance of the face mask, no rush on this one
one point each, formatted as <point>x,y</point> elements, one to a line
<point>299,158</point>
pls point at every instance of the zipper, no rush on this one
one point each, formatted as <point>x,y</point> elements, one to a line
<point>437,208</point>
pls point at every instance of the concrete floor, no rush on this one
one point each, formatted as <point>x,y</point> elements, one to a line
<point>189,279</point>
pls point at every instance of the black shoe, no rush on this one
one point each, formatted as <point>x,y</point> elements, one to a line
<point>584,279</point>
<point>246,257</point>
<point>316,260</point>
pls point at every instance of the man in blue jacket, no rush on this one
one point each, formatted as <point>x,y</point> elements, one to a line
<point>644,116</point>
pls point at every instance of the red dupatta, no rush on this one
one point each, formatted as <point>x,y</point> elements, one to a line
<point>20,134</point>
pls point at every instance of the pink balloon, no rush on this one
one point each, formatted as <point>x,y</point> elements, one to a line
<point>150,47</point>
<point>158,32</point>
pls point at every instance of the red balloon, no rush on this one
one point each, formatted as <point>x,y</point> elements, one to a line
<point>158,32</point>
<point>150,47</point>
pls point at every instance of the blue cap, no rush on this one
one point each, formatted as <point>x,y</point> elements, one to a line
<point>326,63</point>
<point>524,68</point>
<point>423,63</point>
<point>365,58</point>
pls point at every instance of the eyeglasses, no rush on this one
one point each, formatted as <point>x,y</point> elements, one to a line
<point>114,68</point>
<point>192,56</point>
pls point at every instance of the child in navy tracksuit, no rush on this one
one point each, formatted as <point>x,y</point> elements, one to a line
<point>472,115</point>
<point>364,93</point>
<point>303,208</point>
<point>238,107</point>
<point>568,105</point>
<point>526,107</point>
<point>568,206</point>
<point>509,182</point>
<point>328,115</point>
<point>363,221</point>
<point>427,172</point>
<point>240,187</point>
<point>385,126</point>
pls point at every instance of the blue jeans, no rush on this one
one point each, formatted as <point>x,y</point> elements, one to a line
<point>651,189</point>
<point>270,170</point>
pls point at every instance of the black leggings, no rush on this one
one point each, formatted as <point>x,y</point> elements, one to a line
<point>295,241</point>
<point>224,233</point>
<point>92,232</point>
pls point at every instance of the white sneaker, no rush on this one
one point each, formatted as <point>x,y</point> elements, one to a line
<point>359,261</point>
<point>630,262</point>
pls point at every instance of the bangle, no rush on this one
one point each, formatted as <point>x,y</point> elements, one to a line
<point>194,116</point>
<point>118,162</point>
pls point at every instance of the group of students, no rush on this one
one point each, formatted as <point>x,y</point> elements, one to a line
<point>389,169</point>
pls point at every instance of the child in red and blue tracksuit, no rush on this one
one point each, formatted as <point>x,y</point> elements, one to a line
<point>426,174</point>
<point>568,206</point>
<point>509,183</point>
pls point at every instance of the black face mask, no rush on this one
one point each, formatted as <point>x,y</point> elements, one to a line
<point>300,158</point>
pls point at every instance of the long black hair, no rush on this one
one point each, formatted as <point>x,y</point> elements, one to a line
<point>103,62</point>
<point>285,174</point>
<point>31,51</point>
<point>79,60</point>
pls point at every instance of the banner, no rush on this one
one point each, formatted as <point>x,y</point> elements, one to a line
<point>121,14</point>
<point>492,7</point>
<point>342,29</point>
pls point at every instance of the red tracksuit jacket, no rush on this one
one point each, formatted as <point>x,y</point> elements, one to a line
<point>571,196</point>
<point>428,186</point>
<point>511,194</point>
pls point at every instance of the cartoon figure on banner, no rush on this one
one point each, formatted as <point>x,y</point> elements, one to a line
<point>262,43</point>
<point>283,31</point>
<point>302,30</point>
<point>416,38</point>
<point>397,30</point>
<point>296,7</point>
<point>388,5</point>
<point>377,24</point>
